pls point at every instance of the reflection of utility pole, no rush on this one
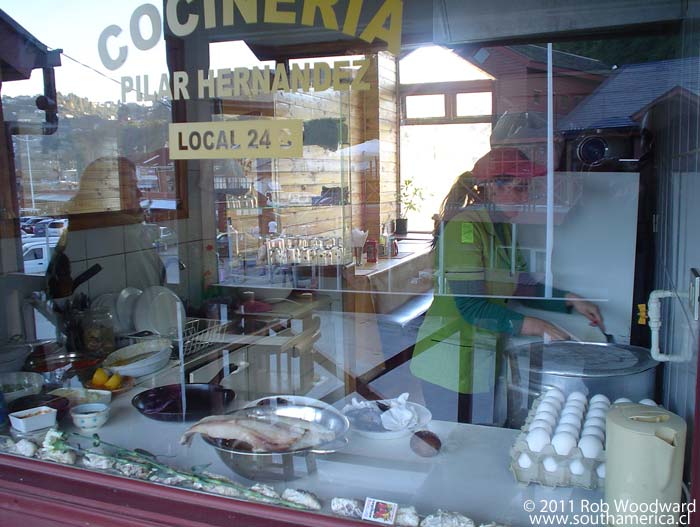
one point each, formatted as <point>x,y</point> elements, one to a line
<point>29,167</point>
<point>31,179</point>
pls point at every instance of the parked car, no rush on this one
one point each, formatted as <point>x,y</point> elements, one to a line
<point>36,254</point>
<point>28,222</point>
<point>50,227</point>
<point>41,227</point>
<point>57,227</point>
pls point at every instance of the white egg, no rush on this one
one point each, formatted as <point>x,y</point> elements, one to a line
<point>556,393</point>
<point>622,400</point>
<point>572,410</point>
<point>564,427</point>
<point>537,439</point>
<point>524,461</point>
<point>599,405</point>
<point>596,412</point>
<point>553,401</point>
<point>549,464</point>
<point>544,415</point>
<point>600,470</point>
<point>648,402</point>
<point>539,423</point>
<point>595,421</point>
<point>576,467</point>
<point>575,404</point>
<point>563,442</point>
<point>577,396</point>
<point>548,407</point>
<point>570,419</point>
<point>594,431</point>
<point>599,397</point>
<point>590,446</point>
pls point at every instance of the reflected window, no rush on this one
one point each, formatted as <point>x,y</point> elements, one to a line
<point>418,106</point>
<point>474,103</point>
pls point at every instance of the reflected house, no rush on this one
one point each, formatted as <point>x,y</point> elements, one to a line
<point>520,91</point>
<point>614,126</point>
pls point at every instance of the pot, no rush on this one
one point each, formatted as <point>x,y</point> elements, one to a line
<point>614,370</point>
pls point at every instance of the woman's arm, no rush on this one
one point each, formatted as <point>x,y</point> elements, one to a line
<point>482,313</point>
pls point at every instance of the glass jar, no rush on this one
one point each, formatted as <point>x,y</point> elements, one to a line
<point>98,332</point>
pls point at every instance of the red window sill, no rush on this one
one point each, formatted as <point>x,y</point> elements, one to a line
<point>39,494</point>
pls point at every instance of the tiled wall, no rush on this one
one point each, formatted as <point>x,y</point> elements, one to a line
<point>676,125</point>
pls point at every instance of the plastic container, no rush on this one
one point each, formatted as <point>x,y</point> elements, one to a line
<point>33,418</point>
<point>19,384</point>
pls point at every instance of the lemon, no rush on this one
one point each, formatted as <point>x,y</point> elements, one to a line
<point>100,377</point>
<point>114,382</point>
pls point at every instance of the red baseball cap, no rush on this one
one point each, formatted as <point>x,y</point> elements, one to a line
<point>506,161</point>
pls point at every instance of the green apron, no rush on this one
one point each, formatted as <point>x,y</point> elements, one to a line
<point>449,351</point>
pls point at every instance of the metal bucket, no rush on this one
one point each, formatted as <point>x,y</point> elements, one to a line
<point>615,370</point>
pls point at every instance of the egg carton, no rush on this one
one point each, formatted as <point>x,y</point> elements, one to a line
<point>561,476</point>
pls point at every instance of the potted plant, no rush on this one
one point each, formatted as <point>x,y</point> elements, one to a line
<point>410,198</point>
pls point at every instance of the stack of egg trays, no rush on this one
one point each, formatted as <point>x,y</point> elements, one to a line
<point>562,476</point>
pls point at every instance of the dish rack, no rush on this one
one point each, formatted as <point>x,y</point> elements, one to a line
<point>199,336</point>
<point>202,335</point>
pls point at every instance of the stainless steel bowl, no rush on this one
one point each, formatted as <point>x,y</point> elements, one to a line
<point>290,464</point>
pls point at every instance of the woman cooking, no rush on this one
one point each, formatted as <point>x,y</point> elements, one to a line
<point>458,352</point>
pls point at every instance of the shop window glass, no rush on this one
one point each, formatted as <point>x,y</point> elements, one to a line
<point>249,243</point>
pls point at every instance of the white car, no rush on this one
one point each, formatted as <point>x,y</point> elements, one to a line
<point>57,227</point>
<point>37,254</point>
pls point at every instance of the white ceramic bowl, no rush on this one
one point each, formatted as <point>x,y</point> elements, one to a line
<point>155,355</point>
<point>19,384</point>
<point>89,417</point>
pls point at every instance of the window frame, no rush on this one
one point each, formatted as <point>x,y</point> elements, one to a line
<point>449,90</point>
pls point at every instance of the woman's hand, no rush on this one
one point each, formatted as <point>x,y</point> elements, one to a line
<point>586,308</point>
<point>536,327</point>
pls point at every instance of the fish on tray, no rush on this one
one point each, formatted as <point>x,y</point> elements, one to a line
<point>269,433</point>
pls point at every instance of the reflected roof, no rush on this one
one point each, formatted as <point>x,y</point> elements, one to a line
<point>631,89</point>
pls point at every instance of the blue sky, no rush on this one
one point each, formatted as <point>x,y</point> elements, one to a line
<point>75,26</point>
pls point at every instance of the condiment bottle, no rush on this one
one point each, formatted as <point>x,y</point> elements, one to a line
<point>371,246</point>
